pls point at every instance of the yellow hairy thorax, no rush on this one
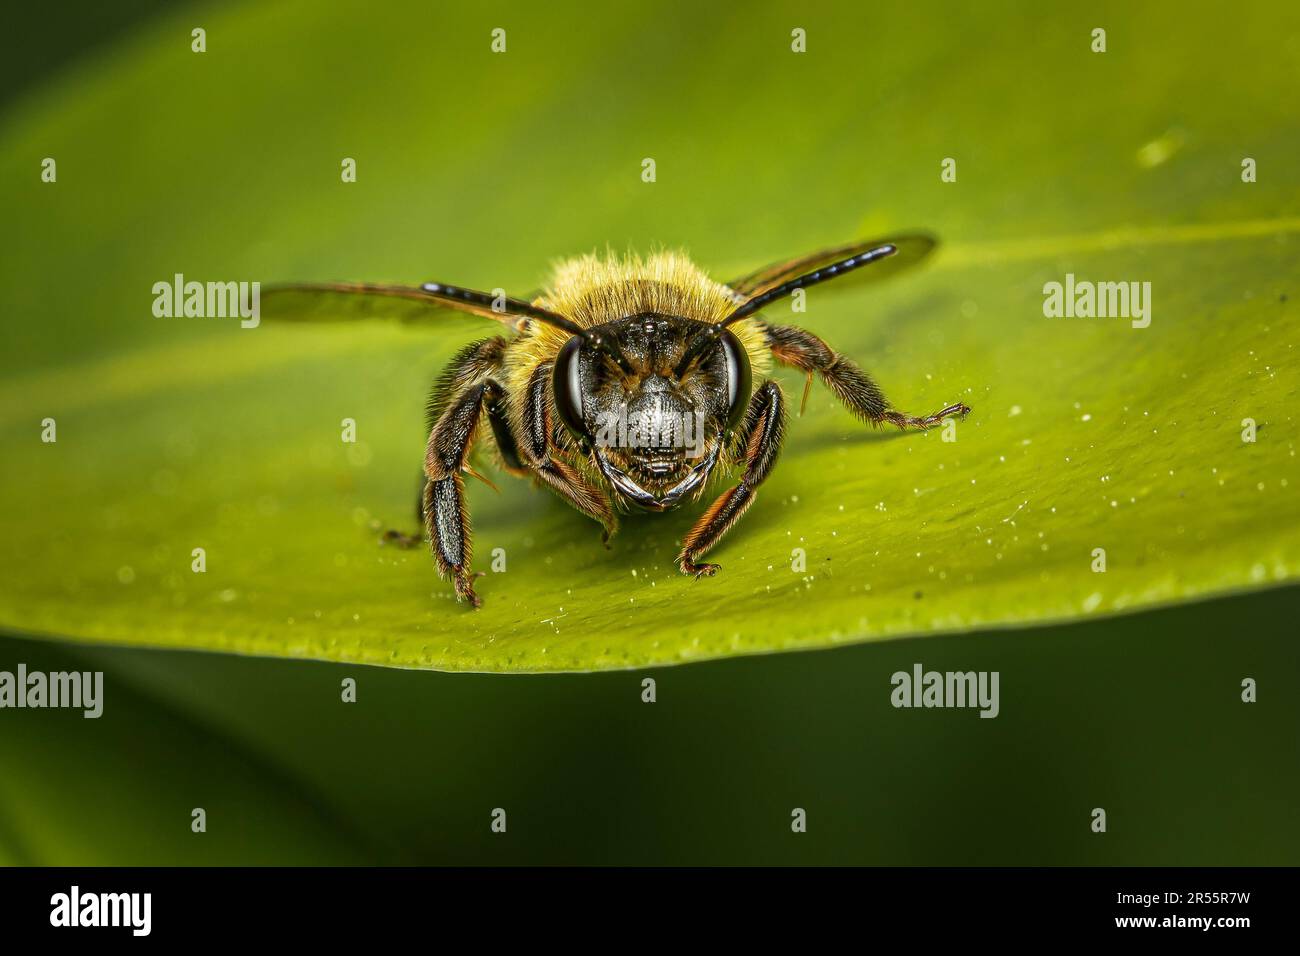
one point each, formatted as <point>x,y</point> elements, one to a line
<point>592,290</point>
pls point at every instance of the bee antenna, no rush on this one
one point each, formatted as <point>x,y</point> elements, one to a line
<point>750,306</point>
<point>504,305</point>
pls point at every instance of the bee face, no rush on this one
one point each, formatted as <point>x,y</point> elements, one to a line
<point>654,398</point>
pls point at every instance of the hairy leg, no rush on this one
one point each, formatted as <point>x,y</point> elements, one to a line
<point>446,518</point>
<point>473,365</point>
<point>760,439</point>
<point>458,398</point>
<point>802,350</point>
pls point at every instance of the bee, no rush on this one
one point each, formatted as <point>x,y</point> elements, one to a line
<point>626,384</point>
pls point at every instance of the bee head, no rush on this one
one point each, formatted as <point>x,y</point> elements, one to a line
<point>654,399</point>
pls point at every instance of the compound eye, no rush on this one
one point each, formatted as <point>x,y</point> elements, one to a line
<point>738,377</point>
<point>566,387</point>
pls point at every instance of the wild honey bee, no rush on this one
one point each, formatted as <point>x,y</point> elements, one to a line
<point>627,383</point>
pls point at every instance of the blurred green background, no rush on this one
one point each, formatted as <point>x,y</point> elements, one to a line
<point>1140,715</point>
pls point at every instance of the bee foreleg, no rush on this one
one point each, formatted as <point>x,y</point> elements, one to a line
<point>760,438</point>
<point>472,366</point>
<point>806,352</point>
<point>446,518</point>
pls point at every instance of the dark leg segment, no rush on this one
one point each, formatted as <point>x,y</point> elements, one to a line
<point>460,394</point>
<point>472,365</point>
<point>760,437</point>
<point>504,434</point>
<point>802,350</point>
<point>458,399</point>
<point>446,519</point>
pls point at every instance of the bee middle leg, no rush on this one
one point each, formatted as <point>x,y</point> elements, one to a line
<point>796,348</point>
<point>760,437</point>
<point>446,518</point>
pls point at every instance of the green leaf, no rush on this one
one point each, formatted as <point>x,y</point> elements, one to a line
<point>480,168</point>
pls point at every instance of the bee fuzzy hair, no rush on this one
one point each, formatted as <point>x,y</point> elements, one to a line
<point>591,290</point>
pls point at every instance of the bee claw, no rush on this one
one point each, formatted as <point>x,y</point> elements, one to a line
<point>699,570</point>
<point>904,422</point>
<point>465,590</point>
